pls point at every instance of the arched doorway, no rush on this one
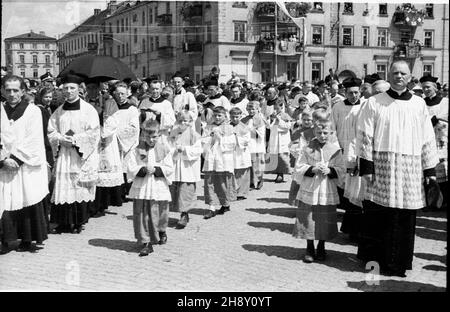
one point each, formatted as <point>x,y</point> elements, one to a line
<point>346,74</point>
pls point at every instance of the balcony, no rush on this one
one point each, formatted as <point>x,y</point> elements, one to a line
<point>265,10</point>
<point>164,19</point>
<point>409,50</point>
<point>107,37</point>
<point>192,47</point>
<point>283,47</point>
<point>408,15</point>
<point>166,52</point>
<point>191,11</point>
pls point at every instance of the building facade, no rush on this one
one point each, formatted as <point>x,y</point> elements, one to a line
<point>161,37</point>
<point>31,55</point>
<point>84,39</point>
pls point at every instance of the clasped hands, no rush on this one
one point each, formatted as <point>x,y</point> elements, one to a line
<point>321,168</point>
<point>67,141</point>
<point>150,169</point>
<point>10,164</point>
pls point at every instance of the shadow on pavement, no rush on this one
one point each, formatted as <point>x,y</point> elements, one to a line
<point>283,191</point>
<point>395,286</point>
<point>431,234</point>
<point>273,226</point>
<point>274,200</point>
<point>432,214</point>
<point>282,212</point>
<point>431,257</point>
<point>432,224</point>
<point>173,222</point>
<point>115,244</point>
<point>198,211</point>
<point>433,267</point>
<point>342,261</point>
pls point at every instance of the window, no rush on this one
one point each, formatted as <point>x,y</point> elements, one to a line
<point>151,44</point>
<point>365,69</point>
<point>292,70</point>
<point>168,7</point>
<point>110,28</point>
<point>143,18</point>
<point>347,36</point>
<point>266,71</point>
<point>382,37</point>
<point>35,73</point>
<point>169,41</point>
<point>316,71</point>
<point>208,32</point>
<point>143,46</point>
<point>156,11</point>
<point>318,6</point>
<point>111,51</point>
<point>428,39</point>
<point>135,36</point>
<point>125,49</point>
<point>22,74</point>
<point>348,8</point>
<point>144,71</point>
<point>21,45</point>
<point>118,51</point>
<point>22,59</point>
<point>35,59</point>
<point>429,10</point>
<point>47,59</point>
<point>239,31</point>
<point>381,71</point>
<point>427,69</point>
<point>150,16</point>
<point>239,4</point>
<point>365,36</point>
<point>382,9</point>
<point>118,27</point>
<point>156,42</point>
<point>122,23</point>
<point>135,61</point>
<point>317,33</point>
<point>34,46</point>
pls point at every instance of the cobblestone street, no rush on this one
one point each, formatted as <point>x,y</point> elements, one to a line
<point>247,249</point>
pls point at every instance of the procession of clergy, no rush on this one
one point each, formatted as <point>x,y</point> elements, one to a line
<point>370,148</point>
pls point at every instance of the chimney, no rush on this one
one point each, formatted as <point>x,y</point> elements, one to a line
<point>97,11</point>
<point>42,33</point>
<point>112,6</point>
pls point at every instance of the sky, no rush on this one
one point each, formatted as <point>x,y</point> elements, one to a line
<point>51,16</point>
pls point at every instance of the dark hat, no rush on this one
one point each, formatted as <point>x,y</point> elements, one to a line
<point>282,86</point>
<point>296,89</point>
<point>429,78</point>
<point>46,76</point>
<point>188,83</point>
<point>320,83</point>
<point>178,74</point>
<point>267,86</point>
<point>352,82</point>
<point>211,82</point>
<point>371,78</point>
<point>72,78</point>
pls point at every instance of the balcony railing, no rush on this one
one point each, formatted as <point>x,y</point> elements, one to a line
<point>164,19</point>
<point>283,47</point>
<point>192,46</point>
<point>165,52</point>
<point>107,37</point>
<point>408,50</point>
<point>408,15</point>
<point>191,10</point>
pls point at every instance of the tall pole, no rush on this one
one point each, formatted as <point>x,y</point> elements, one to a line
<point>304,55</point>
<point>338,36</point>
<point>276,43</point>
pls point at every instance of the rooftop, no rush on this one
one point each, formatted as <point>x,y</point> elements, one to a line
<point>30,36</point>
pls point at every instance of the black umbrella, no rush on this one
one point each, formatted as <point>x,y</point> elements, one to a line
<point>99,67</point>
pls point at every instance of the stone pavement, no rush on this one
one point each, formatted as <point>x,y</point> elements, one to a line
<point>247,249</point>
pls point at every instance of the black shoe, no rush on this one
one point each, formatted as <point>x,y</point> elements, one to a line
<point>308,257</point>
<point>28,246</point>
<point>392,272</point>
<point>148,249</point>
<point>223,209</point>
<point>252,186</point>
<point>99,214</point>
<point>260,185</point>
<point>279,179</point>
<point>241,197</point>
<point>162,238</point>
<point>209,215</point>
<point>321,255</point>
<point>77,229</point>
<point>183,220</point>
<point>5,249</point>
